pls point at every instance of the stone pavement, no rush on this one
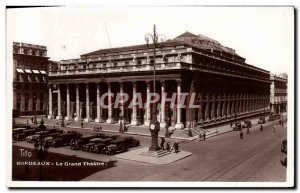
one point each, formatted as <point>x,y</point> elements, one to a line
<point>141,129</point>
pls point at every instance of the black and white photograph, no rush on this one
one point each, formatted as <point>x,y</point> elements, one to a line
<point>150,96</point>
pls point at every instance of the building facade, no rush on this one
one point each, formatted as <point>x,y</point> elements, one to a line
<point>30,93</point>
<point>226,87</point>
<point>278,96</point>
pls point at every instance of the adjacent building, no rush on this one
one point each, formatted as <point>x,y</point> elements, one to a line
<point>30,93</point>
<point>278,96</point>
<point>226,87</point>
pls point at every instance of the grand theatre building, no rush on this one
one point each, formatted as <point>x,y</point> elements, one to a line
<point>226,87</point>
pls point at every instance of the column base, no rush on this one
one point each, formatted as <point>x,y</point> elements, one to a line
<point>163,125</point>
<point>50,116</point>
<point>58,117</point>
<point>147,123</point>
<point>109,120</point>
<point>179,126</point>
<point>77,119</point>
<point>134,122</point>
<point>98,120</point>
<point>88,119</point>
<point>68,118</point>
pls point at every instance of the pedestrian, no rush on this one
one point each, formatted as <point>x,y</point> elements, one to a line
<point>81,124</point>
<point>27,122</point>
<point>190,134</point>
<point>261,128</point>
<point>204,136</point>
<point>162,143</point>
<point>56,122</point>
<point>120,127</point>
<point>31,119</point>
<point>200,136</point>
<point>274,128</point>
<point>100,128</point>
<point>168,147</point>
<point>231,124</point>
<point>248,130</point>
<point>241,134</point>
<point>176,147</point>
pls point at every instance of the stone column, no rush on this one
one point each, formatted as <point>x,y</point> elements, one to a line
<point>98,119</point>
<point>22,105</point>
<point>148,109</point>
<point>109,118</point>
<point>58,117</point>
<point>30,102</point>
<point>134,121</point>
<point>38,107</point>
<point>77,118</point>
<point>232,110</point>
<point>162,106</point>
<point>179,124</point>
<point>121,102</point>
<point>68,117</point>
<point>212,111</point>
<point>219,107</point>
<point>50,115</point>
<point>200,114</point>
<point>87,103</point>
<point>224,109</point>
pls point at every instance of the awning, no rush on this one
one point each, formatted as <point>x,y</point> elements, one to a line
<point>20,70</point>
<point>28,71</point>
<point>35,71</point>
<point>43,72</point>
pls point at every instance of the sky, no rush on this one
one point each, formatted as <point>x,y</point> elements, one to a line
<point>262,35</point>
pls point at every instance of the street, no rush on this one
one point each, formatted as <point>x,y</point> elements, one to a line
<point>222,158</point>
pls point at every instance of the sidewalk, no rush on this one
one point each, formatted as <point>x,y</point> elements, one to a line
<point>141,129</point>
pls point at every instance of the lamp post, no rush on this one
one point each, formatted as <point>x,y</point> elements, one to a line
<point>41,149</point>
<point>154,125</point>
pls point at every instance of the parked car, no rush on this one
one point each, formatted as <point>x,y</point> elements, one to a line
<point>272,118</point>
<point>284,161</point>
<point>246,124</point>
<point>116,146</point>
<point>87,147</point>
<point>262,120</point>
<point>20,136</point>
<point>237,126</point>
<point>32,138</point>
<point>76,144</point>
<point>131,142</point>
<point>284,146</point>
<point>98,148</point>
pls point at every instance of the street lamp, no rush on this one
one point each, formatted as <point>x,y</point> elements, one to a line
<point>41,148</point>
<point>154,125</point>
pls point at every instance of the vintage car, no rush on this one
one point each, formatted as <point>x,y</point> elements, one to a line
<point>98,148</point>
<point>131,142</point>
<point>112,136</point>
<point>272,118</point>
<point>20,136</point>
<point>64,139</point>
<point>76,144</point>
<point>87,147</point>
<point>246,124</point>
<point>32,138</point>
<point>261,120</point>
<point>18,130</point>
<point>116,146</point>
<point>284,146</point>
<point>237,126</point>
<point>15,126</point>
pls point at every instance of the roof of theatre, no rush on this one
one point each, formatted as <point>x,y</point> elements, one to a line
<point>198,41</point>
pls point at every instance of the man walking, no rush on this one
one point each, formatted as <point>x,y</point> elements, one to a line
<point>81,124</point>
<point>261,128</point>
<point>204,136</point>
<point>162,143</point>
<point>241,134</point>
<point>248,130</point>
<point>274,128</point>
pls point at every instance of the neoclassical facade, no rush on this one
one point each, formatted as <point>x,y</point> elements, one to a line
<point>30,66</point>
<point>278,96</point>
<point>226,87</point>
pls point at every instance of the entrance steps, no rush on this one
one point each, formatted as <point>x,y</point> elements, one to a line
<point>159,153</point>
